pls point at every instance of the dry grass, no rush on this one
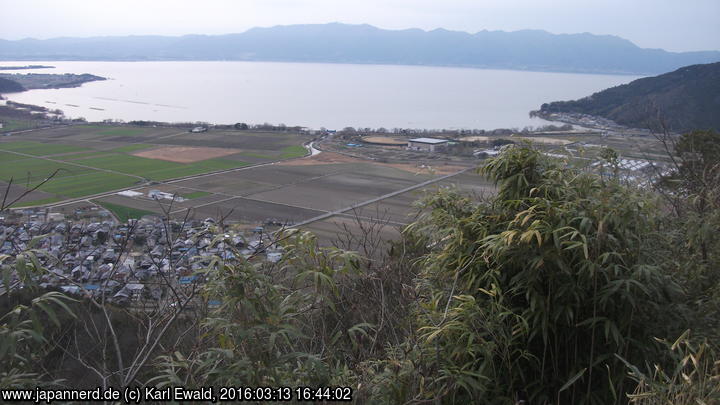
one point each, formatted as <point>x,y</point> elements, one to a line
<point>385,140</point>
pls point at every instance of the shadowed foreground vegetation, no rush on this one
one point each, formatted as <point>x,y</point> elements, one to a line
<point>566,287</point>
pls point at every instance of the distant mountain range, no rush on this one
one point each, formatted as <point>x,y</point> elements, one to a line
<point>342,43</point>
<point>686,99</point>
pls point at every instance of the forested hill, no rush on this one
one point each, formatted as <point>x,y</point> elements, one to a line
<point>343,43</point>
<point>10,86</point>
<point>686,99</point>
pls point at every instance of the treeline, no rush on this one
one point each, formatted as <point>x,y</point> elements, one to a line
<point>242,126</point>
<point>456,132</point>
<point>564,287</point>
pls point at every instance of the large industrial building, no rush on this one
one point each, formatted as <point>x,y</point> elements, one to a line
<point>427,144</point>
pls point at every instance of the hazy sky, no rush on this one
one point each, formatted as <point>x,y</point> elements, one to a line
<point>676,25</point>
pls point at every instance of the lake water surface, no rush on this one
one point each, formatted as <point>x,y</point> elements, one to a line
<point>311,94</point>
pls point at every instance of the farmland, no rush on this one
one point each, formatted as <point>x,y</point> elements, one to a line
<point>319,193</point>
<point>86,160</point>
<point>39,149</point>
<point>387,217</point>
<point>244,177</point>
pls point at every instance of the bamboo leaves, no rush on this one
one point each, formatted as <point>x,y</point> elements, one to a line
<point>561,254</point>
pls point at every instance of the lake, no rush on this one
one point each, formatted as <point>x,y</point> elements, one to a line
<point>311,94</point>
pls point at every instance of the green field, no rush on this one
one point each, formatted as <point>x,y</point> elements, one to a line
<point>256,155</point>
<point>129,164</point>
<point>95,158</point>
<point>288,152</point>
<point>155,169</point>
<point>38,202</point>
<point>76,156</point>
<point>122,212</point>
<point>89,184</point>
<point>133,148</point>
<point>25,169</point>
<point>8,157</point>
<point>68,180</point>
<point>74,181</point>
<point>294,151</point>
<point>39,149</point>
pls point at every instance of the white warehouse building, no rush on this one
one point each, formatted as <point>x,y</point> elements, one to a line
<point>427,144</point>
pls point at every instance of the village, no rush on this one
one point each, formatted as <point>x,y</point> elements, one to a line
<point>133,263</point>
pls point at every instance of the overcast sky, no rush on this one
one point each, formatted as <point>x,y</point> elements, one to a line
<point>676,25</point>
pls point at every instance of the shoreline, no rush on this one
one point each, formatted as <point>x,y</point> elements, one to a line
<point>59,117</point>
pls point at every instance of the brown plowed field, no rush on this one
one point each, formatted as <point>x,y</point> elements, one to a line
<point>185,154</point>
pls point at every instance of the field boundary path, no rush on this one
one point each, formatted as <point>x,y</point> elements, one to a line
<point>377,199</point>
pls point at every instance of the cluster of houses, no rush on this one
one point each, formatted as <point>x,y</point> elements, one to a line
<point>138,260</point>
<point>591,121</point>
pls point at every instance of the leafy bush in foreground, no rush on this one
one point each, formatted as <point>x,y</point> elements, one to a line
<point>536,294</point>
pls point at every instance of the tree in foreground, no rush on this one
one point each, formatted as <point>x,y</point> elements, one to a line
<point>541,293</point>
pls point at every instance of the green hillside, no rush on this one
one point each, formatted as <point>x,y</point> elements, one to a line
<point>10,86</point>
<point>686,99</point>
